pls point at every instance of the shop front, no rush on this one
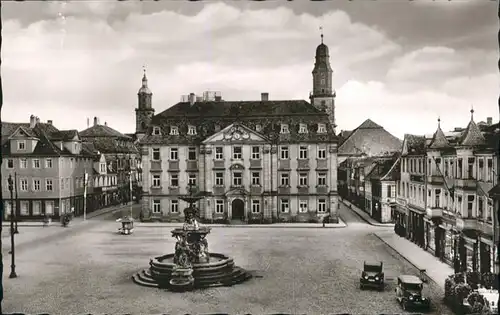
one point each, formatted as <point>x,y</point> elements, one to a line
<point>416,227</point>
<point>400,218</point>
<point>486,258</point>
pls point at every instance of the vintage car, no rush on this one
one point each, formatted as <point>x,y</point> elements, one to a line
<point>127,226</point>
<point>372,275</point>
<point>409,293</point>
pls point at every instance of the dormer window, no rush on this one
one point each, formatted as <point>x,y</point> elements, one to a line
<point>321,128</point>
<point>284,128</point>
<point>76,146</point>
<point>156,131</point>
<point>21,145</point>
<point>191,130</point>
<point>258,127</point>
<point>302,128</point>
<point>174,131</point>
<point>217,128</point>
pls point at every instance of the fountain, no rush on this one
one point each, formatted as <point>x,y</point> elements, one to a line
<point>191,265</point>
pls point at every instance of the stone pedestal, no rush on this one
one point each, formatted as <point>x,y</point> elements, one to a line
<point>182,279</point>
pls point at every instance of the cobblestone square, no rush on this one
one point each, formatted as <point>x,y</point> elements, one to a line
<point>304,270</point>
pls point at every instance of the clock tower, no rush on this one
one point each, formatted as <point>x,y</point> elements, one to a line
<point>323,96</point>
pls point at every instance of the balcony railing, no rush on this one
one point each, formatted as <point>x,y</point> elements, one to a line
<point>467,224</point>
<point>466,183</point>
<point>436,179</point>
<point>156,165</point>
<point>434,212</point>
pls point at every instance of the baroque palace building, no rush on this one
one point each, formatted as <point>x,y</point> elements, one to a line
<point>254,161</point>
<point>442,199</point>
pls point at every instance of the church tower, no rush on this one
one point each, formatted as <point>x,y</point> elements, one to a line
<point>144,112</point>
<point>323,96</point>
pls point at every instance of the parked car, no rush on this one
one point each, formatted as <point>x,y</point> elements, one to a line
<point>372,275</point>
<point>409,293</point>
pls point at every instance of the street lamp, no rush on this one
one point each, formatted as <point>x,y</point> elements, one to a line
<point>12,247</point>
<point>130,193</point>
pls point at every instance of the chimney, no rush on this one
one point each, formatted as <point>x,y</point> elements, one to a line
<point>105,123</point>
<point>49,122</point>
<point>37,120</point>
<point>88,122</point>
<point>264,97</point>
<point>95,121</point>
<point>218,98</point>
<point>192,98</point>
<point>489,121</point>
<point>32,121</point>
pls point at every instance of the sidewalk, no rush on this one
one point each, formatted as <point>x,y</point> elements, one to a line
<point>35,230</point>
<point>363,215</point>
<point>341,224</point>
<point>75,220</point>
<point>417,256</point>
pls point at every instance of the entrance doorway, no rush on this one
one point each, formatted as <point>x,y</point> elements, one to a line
<point>238,209</point>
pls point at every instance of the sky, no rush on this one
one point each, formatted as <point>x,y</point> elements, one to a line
<point>401,64</point>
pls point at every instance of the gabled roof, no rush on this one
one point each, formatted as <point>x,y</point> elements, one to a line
<point>385,169</point>
<point>370,139</point>
<point>102,131</point>
<point>24,132</point>
<point>472,136</point>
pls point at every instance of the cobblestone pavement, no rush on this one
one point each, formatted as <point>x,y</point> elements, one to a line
<point>311,271</point>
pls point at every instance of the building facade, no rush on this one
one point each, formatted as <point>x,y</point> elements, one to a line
<point>123,163</point>
<point>442,196</point>
<point>254,161</point>
<point>380,189</point>
<point>48,166</point>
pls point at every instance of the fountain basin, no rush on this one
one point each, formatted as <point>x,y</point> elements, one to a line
<point>219,271</point>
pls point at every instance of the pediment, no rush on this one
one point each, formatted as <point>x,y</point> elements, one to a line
<point>237,192</point>
<point>236,133</point>
<point>237,167</point>
<point>21,133</point>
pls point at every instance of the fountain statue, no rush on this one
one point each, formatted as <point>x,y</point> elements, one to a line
<point>191,265</point>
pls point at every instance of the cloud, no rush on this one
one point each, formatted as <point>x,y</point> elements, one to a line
<point>90,65</point>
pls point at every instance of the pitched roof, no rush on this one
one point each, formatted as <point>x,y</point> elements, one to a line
<point>472,136</point>
<point>415,145</point>
<point>110,146</point>
<point>385,169</point>
<point>64,135</point>
<point>101,131</point>
<point>211,117</point>
<point>238,108</point>
<point>439,140</point>
<point>370,139</point>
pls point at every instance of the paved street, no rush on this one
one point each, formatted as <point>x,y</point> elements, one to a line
<point>304,270</point>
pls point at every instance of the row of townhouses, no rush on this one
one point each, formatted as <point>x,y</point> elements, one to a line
<point>440,190</point>
<point>254,161</point>
<point>52,170</point>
